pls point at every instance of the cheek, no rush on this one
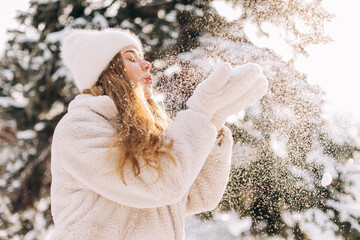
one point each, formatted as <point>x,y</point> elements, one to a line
<point>132,71</point>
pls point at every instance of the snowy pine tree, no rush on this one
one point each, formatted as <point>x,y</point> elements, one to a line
<point>285,153</point>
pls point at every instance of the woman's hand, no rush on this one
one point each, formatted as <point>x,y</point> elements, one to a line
<point>255,86</point>
<point>223,87</point>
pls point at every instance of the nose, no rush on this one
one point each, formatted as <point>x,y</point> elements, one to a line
<point>145,66</point>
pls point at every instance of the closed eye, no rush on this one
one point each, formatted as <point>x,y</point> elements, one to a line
<point>132,55</point>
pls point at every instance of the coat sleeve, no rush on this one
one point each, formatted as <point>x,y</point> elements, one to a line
<point>82,142</point>
<point>208,188</point>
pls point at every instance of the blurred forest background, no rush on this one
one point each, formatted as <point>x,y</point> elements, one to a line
<point>295,174</point>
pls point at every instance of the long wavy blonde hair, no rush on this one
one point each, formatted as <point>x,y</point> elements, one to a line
<point>141,123</point>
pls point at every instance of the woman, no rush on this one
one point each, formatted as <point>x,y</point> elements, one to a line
<point>120,169</point>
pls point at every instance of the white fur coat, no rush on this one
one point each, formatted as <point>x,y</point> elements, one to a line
<point>89,199</point>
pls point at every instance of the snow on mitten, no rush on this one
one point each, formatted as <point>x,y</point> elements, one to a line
<point>220,89</point>
<point>256,91</point>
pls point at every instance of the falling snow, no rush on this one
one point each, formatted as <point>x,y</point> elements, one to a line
<point>287,159</point>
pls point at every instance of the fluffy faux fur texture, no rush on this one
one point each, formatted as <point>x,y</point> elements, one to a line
<point>89,199</point>
<point>87,52</point>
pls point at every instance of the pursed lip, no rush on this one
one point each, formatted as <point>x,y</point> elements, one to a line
<point>148,79</point>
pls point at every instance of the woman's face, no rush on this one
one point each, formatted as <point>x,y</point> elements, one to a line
<point>137,69</point>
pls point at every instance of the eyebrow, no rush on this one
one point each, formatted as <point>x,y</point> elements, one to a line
<point>132,51</point>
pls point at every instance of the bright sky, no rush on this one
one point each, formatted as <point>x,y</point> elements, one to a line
<point>333,66</point>
<point>7,17</point>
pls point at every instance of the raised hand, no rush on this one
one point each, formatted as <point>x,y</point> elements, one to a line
<point>247,95</point>
<point>223,87</point>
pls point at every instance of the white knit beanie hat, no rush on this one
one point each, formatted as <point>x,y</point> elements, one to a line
<point>88,52</point>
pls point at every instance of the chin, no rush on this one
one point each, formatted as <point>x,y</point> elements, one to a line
<point>148,94</point>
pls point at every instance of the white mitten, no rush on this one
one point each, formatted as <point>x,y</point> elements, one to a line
<point>257,90</point>
<point>220,89</point>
